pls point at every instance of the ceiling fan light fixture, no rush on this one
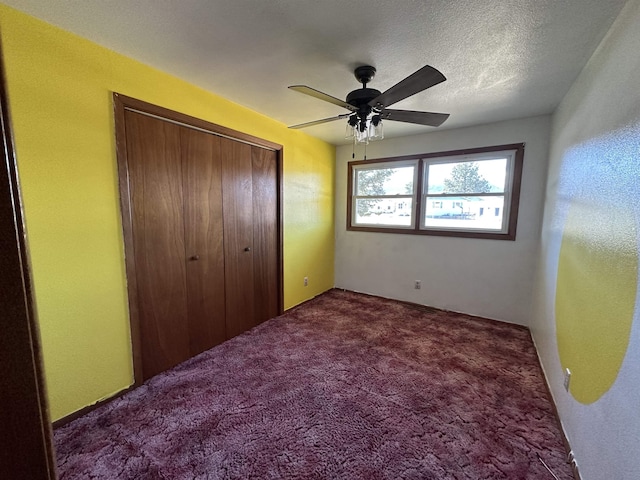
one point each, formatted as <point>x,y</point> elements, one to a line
<point>364,130</point>
<point>362,136</point>
<point>352,123</point>
<point>375,128</point>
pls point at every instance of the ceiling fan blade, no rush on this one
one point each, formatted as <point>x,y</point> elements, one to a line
<point>409,116</point>
<point>318,122</point>
<point>424,78</point>
<point>322,96</point>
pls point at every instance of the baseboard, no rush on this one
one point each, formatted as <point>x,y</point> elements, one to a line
<point>89,408</point>
<point>574,465</point>
<point>428,308</point>
<point>571,459</point>
<point>293,307</point>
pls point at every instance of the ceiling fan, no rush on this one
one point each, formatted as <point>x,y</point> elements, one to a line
<point>368,106</point>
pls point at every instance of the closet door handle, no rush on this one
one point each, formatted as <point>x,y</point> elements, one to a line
<point>247,249</point>
<point>194,258</point>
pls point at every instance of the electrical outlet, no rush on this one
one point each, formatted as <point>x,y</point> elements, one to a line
<point>567,378</point>
<point>417,285</point>
<point>306,281</point>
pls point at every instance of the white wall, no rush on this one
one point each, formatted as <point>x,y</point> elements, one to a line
<point>595,165</point>
<point>489,278</point>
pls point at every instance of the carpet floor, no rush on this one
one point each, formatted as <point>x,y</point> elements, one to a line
<point>345,386</point>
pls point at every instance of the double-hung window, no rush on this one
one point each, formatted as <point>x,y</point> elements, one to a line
<point>470,193</point>
<point>384,194</point>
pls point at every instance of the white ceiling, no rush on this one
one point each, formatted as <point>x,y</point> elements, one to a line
<point>503,59</point>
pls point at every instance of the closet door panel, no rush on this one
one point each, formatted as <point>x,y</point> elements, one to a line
<point>203,239</point>
<point>265,233</point>
<point>237,192</point>
<point>153,154</point>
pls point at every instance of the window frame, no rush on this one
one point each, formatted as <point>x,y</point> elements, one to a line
<point>511,191</point>
<point>360,166</point>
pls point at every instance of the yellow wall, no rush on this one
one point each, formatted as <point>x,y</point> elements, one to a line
<point>60,98</point>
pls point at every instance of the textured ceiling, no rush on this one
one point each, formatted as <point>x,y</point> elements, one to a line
<point>503,59</point>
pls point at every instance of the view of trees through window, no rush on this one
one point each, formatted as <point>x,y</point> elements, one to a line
<point>465,193</point>
<point>371,182</point>
<point>385,195</point>
<point>465,178</point>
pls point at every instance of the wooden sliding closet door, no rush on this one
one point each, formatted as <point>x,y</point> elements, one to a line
<point>178,239</point>
<point>156,189</point>
<point>249,184</point>
<point>265,233</point>
<point>203,230</point>
<point>237,188</point>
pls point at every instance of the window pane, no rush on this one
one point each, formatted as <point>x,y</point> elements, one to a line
<point>471,194</point>
<point>384,211</point>
<point>481,176</point>
<point>485,213</point>
<point>385,181</point>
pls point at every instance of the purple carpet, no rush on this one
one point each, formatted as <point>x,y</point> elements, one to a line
<point>346,386</point>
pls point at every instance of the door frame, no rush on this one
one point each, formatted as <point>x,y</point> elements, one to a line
<point>122,103</point>
<point>26,442</point>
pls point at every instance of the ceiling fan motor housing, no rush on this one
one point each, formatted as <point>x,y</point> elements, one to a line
<point>362,96</point>
<point>360,99</point>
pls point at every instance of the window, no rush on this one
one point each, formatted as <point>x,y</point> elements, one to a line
<point>384,194</point>
<point>470,193</point>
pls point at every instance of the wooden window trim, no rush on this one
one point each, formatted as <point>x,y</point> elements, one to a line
<point>415,229</point>
<point>412,162</point>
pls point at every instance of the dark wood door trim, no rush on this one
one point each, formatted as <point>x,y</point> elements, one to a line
<point>26,450</point>
<point>188,121</point>
<point>123,103</point>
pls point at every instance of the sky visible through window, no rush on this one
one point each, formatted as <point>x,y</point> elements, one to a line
<point>494,171</point>
<point>397,182</point>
